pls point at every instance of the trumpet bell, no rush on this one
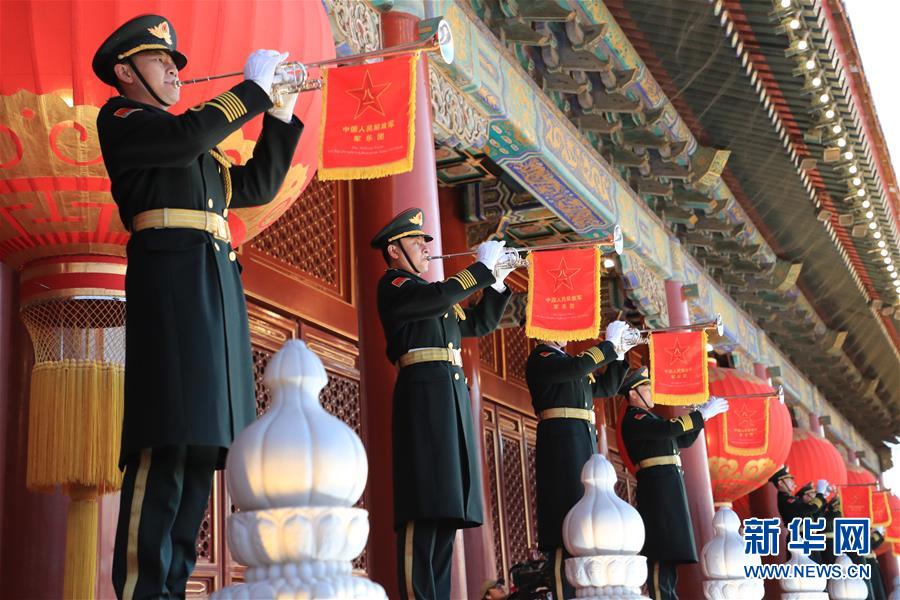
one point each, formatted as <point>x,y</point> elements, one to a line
<point>439,30</point>
<point>618,242</point>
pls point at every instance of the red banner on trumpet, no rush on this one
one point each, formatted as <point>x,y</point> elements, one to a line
<point>563,294</point>
<point>368,119</point>
<point>881,510</point>
<point>856,501</point>
<point>678,368</point>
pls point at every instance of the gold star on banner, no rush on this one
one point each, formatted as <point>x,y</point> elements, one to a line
<point>368,95</point>
<point>563,275</point>
<point>677,353</point>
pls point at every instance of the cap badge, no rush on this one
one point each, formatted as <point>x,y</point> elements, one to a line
<point>417,220</point>
<point>162,32</point>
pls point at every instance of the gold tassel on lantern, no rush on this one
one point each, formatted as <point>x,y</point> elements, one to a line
<point>81,545</point>
<point>76,409</point>
<point>75,424</point>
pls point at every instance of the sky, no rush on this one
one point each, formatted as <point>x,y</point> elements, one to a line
<point>874,25</point>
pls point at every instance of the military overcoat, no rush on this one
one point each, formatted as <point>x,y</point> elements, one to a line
<point>188,365</point>
<point>556,379</point>
<point>661,495</point>
<point>437,466</point>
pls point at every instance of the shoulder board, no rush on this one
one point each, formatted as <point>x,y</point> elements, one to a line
<point>398,281</point>
<point>124,112</point>
<point>639,416</point>
<point>546,354</point>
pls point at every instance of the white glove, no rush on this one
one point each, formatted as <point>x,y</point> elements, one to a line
<point>285,112</point>
<point>822,487</point>
<point>510,256</point>
<point>614,333</point>
<point>715,406</point>
<point>489,253</point>
<point>260,67</point>
<point>880,529</point>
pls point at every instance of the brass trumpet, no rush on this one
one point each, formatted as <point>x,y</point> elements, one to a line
<point>293,77</point>
<point>634,336</point>
<point>515,258</point>
<point>779,393</point>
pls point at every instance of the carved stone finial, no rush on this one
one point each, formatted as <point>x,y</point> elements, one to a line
<point>604,535</point>
<point>723,562</point>
<point>806,588</point>
<point>295,475</point>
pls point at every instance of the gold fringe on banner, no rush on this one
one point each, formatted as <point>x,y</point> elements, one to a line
<point>81,548</point>
<point>75,425</point>
<point>680,399</point>
<point>404,165</point>
<point>565,335</point>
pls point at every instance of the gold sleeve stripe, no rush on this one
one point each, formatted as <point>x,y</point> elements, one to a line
<point>459,281</point>
<point>687,423</point>
<point>228,100</point>
<point>239,109</point>
<point>228,103</point>
<point>222,108</point>
<point>817,501</point>
<point>595,353</point>
<point>240,103</point>
<point>468,278</point>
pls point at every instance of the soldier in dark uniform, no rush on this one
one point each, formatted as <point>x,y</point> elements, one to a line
<point>437,467</point>
<point>562,391</point>
<point>653,445</point>
<point>805,503</point>
<point>874,583</point>
<point>188,369</point>
<point>833,510</point>
<point>791,506</point>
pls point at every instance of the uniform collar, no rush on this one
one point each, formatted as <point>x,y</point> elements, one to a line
<point>632,407</point>
<point>405,273</point>
<point>548,347</point>
<point>125,101</point>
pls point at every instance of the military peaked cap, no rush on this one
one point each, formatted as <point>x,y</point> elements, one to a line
<point>406,224</point>
<point>780,474</point>
<point>806,488</point>
<point>147,32</point>
<point>639,377</point>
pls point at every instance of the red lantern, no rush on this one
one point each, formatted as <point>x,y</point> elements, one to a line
<point>742,507</point>
<point>857,475</point>
<point>59,224</point>
<point>747,444</point>
<point>813,458</point>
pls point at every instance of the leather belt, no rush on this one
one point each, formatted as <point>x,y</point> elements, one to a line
<point>420,355</point>
<point>183,218</point>
<point>659,460</point>
<point>565,412</point>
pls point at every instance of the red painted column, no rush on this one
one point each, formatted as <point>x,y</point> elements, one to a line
<point>890,569</point>
<point>34,524</point>
<point>375,202</point>
<point>696,469</point>
<point>480,563</point>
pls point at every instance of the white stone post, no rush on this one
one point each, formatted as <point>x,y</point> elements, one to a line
<point>295,475</point>
<point>847,589</point>
<point>604,535</point>
<point>723,561</point>
<point>812,588</point>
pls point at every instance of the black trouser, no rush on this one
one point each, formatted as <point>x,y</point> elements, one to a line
<point>164,496</point>
<point>424,550</point>
<point>561,588</point>
<point>662,579</point>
